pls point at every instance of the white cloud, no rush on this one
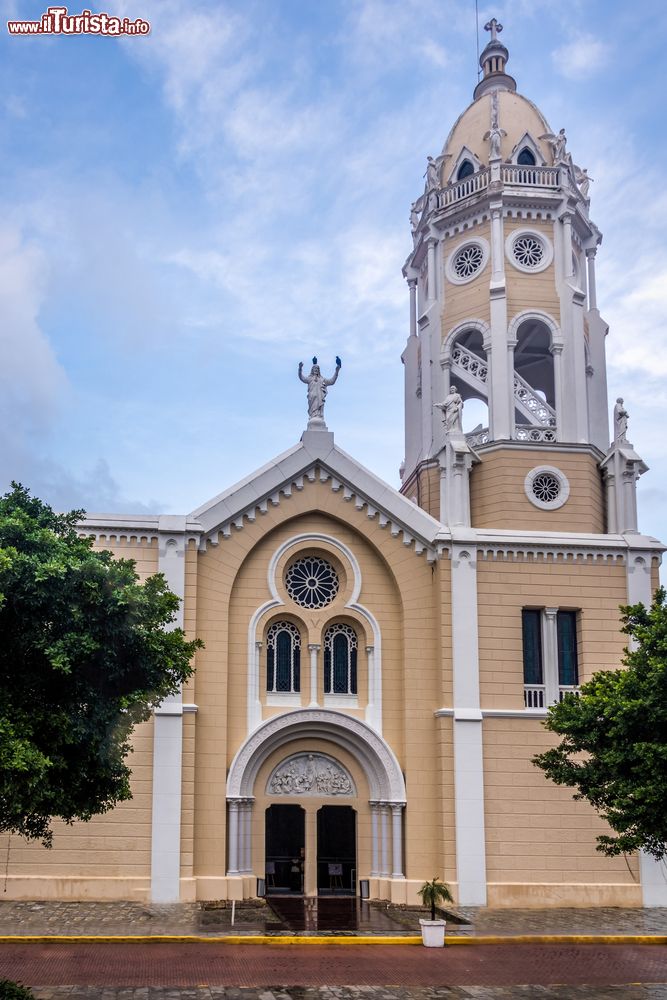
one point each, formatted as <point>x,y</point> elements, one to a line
<point>582,57</point>
<point>31,379</point>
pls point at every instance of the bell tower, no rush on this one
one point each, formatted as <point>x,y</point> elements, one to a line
<point>503,309</point>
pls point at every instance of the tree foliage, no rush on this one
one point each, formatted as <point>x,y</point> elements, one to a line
<point>84,656</point>
<point>614,738</point>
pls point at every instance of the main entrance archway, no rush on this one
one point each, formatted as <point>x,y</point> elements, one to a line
<point>303,774</point>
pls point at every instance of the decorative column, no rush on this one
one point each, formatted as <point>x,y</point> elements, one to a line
<point>384,855</point>
<point>432,279</point>
<point>374,839</point>
<point>168,737</point>
<point>374,707</point>
<point>550,665</point>
<point>500,375</point>
<point>313,649</point>
<point>629,498</point>
<point>557,354</point>
<point>247,835</point>
<point>397,840</point>
<point>233,836</point>
<point>412,285</point>
<point>590,266</point>
<point>568,271</point>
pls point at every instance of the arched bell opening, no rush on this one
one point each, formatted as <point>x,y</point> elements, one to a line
<point>534,380</point>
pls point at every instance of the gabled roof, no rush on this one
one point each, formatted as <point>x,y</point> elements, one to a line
<point>317,458</point>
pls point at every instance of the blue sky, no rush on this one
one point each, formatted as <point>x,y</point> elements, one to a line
<point>186,216</point>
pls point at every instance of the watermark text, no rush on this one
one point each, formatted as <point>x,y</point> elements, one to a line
<point>58,21</point>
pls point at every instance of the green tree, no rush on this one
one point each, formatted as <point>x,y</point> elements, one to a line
<point>614,738</point>
<point>84,656</point>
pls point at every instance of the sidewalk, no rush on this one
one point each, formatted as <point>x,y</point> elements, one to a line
<point>120,919</point>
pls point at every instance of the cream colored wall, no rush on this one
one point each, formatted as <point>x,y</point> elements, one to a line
<point>469,301</point>
<point>498,499</point>
<point>540,842</point>
<point>535,291</point>
<point>504,587</point>
<point>108,857</point>
<point>424,489</point>
<point>403,592</point>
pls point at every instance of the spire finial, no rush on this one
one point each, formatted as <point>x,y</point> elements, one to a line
<point>494,27</point>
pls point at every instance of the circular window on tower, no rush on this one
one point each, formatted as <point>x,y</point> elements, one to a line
<point>546,487</point>
<point>467,261</point>
<point>528,251</point>
<point>311,582</point>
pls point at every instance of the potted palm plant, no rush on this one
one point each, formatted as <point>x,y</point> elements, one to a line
<point>433,893</point>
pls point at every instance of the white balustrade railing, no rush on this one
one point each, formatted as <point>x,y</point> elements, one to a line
<point>467,363</point>
<point>475,438</point>
<point>534,695</point>
<point>512,174</point>
<point>526,432</point>
<point>532,404</point>
<point>464,188</point>
<point>527,176</point>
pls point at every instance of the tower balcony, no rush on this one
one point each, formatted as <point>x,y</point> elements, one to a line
<point>512,176</point>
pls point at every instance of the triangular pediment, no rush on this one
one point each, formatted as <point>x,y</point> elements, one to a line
<point>316,459</point>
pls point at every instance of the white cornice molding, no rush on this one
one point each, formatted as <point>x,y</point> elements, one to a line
<point>142,528</point>
<point>491,713</point>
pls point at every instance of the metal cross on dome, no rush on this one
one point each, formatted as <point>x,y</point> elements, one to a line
<point>494,27</point>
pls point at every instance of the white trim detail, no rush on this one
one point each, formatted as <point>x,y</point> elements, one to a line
<point>468,757</point>
<point>546,244</point>
<point>473,241</point>
<point>374,755</point>
<point>374,706</point>
<point>564,487</point>
<point>168,735</point>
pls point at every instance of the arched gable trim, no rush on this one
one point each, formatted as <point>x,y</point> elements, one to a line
<point>376,758</point>
<point>465,154</point>
<point>527,314</point>
<point>527,142</point>
<point>469,324</point>
<point>374,705</point>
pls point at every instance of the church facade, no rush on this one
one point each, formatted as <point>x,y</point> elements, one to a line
<point>378,663</point>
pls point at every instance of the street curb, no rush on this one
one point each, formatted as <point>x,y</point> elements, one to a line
<point>295,939</point>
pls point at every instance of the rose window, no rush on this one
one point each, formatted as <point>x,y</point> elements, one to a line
<point>311,582</point>
<point>468,260</point>
<point>546,487</point>
<point>528,251</point>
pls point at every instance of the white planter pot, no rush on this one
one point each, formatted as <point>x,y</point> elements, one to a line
<point>433,933</point>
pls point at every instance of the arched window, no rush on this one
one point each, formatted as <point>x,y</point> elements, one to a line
<point>526,157</point>
<point>283,658</point>
<point>340,660</point>
<point>465,170</point>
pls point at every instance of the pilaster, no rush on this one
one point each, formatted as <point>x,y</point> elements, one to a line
<point>168,737</point>
<point>468,756</point>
